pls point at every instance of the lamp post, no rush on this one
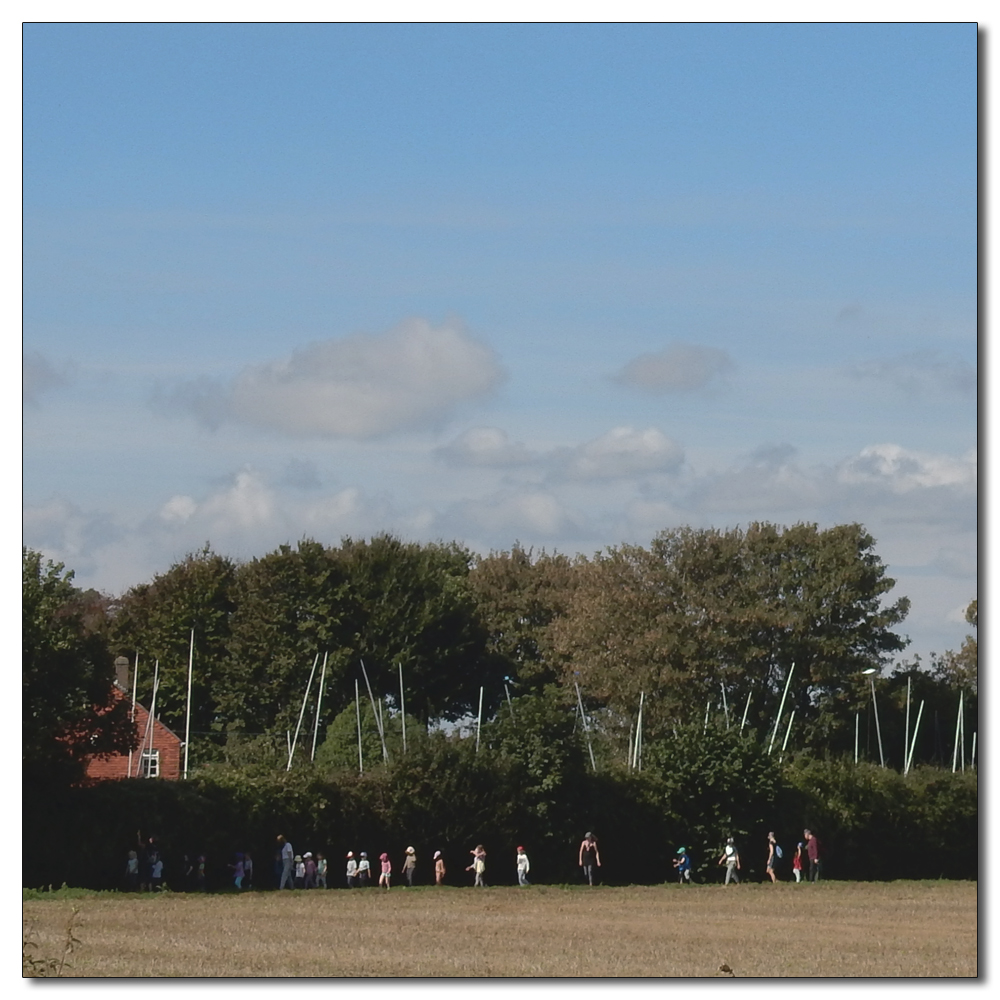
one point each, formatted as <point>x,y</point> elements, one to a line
<point>878,729</point>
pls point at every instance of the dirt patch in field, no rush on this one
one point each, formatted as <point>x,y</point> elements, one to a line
<point>825,929</point>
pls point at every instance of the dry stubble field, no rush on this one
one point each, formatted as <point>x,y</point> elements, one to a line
<point>827,929</point>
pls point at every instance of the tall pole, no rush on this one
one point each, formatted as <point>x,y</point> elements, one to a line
<point>628,755</point>
<point>148,739</point>
<point>135,684</point>
<point>878,727</point>
<point>402,706</point>
<point>708,705</point>
<point>187,722</point>
<point>637,747</point>
<point>319,704</point>
<point>787,734</point>
<point>510,704</point>
<point>972,753</point>
<point>958,729</point>
<point>913,744</point>
<point>479,720</point>
<point>781,707</point>
<point>302,712</point>
<point>906,734</point>
<point>586,728</point>
<point>963,732</point>
<point>857,723</point>
<point>725,706</point>
<point>375,712</point>
<point>746,709</point>
<point>357,706</point>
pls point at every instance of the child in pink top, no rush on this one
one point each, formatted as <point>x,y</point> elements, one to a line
<point>383,879</point>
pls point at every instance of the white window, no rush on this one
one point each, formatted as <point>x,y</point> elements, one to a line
<point>150,763</point>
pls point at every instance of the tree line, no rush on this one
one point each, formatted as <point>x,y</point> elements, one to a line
<point>703,623</point>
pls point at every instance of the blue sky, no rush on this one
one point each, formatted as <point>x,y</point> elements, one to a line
<point>568,285</point>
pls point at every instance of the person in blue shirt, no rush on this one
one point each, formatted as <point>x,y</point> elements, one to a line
<point>683,865</point>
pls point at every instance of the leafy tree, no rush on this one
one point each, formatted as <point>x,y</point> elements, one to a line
<point>702,612</point>
<point>410,605</point>
<point>518,596</point>
<point>961,669</point>
<point>68,711</point>
<point>154,621</point>
<point>290,609</point>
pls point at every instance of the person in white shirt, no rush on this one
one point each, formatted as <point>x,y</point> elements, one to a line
<point>352,870</point>
<point>523,867</point>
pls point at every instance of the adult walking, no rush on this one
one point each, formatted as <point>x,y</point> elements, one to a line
<point>772,856</point>
<point>287,862</point>
<point>812,851</point>
<point>409,866</point>
<point>589,857</point>
<point>731,859</point>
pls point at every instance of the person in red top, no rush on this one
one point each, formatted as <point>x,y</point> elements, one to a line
<point>812,850</point>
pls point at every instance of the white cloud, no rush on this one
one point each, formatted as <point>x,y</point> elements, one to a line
<point>901,470</point>
<point>677,368</point>
<point>489,447</point>
<point>363,386</point>
<point>621,453</point>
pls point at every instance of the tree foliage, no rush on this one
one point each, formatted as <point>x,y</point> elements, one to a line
<point>68,711</point>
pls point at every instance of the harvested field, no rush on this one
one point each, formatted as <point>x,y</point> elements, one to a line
<point>826,929</point>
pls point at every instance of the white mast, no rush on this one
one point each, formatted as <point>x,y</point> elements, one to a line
<point>187,722</point>
<point>319,702</point>
<point>302,712</point>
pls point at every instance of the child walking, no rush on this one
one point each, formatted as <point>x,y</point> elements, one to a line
<point>683,865</point>
<point>523,867</point>
<point>300,872</point>
<point>352,870</point>
<point>478,864</point>
<point>321,872</point>
<point>439,871</point>
<point>386,875</point>
<point>797,863</point>
<point>364,871</point>
<point>238,871</point>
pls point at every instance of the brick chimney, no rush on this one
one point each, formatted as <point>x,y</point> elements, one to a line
<point>121,672</point>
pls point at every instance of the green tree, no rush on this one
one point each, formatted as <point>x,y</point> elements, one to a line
<point>154,621</point>
<point>68,711</point>
<point>702,612</point>
<point>962,668</point>
<point>518,596</point>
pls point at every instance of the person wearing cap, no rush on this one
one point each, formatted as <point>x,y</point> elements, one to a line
<point>523,867</point>
<point>321,869</point>
<point>439,870</point>
<point>409,866</point>
<point>386,875</point>
<point>352,870</point>
<point>310,880</point>
<point>589,857</point>
<point>300,872</point>
<point>731,859</point>
<point>287,860</point>
<point>683,865</point>
<point>478,864</point>
<point>364,871</point>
